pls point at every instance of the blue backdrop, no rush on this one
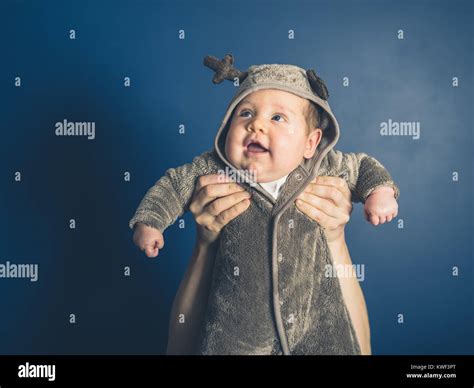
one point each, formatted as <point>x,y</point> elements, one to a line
<point>423,270</point>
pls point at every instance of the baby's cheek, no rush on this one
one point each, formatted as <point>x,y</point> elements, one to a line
<point>290,149</point>
<point>231,150</point>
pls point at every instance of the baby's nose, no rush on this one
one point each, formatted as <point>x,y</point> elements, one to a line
<point>257,125</point>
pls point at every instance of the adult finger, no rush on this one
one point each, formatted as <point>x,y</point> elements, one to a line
<point>209,192</point>
<point>335,181</point>
<point>203,181</point>
<point>331,193</point>
<point>223,203</point>
<point>211,179</point>
<point>322,204</point>
<point>315,214</point>
<point>228,215</point>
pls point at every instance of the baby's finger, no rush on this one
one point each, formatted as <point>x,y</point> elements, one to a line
<point>160,241</point>
<point>151,250</point>
<point>374,219</point>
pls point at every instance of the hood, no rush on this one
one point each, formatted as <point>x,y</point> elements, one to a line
<point>287,78</point>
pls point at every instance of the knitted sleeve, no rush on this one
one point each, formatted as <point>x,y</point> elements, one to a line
<point>170,196</point>
<point>362,173</point>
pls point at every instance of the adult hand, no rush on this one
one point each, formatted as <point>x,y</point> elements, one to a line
<point>327,200</point>
<point>216,201</point>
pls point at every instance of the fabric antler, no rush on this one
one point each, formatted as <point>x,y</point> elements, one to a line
<point>224,68</point>
<point>317,84</point>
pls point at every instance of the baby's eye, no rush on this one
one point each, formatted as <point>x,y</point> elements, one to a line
<point>243,112</point>
<point>280,116</point>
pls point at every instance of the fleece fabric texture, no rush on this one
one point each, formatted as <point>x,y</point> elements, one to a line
<point>240,317</point>
<point>269,293</point>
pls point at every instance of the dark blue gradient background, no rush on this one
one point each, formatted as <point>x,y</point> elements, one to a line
<point>408,270</point>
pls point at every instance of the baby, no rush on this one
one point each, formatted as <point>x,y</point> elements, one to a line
<point>269,294</point>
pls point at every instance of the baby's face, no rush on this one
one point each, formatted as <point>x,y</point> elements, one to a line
<point>269,135</point>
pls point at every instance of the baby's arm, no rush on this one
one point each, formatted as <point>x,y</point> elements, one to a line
<point>165,201</point>
<point>369,182</point>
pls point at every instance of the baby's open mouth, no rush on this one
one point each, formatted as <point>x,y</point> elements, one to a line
<point>255,146</point>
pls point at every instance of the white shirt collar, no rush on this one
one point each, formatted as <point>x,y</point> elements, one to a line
<point>274,188</point>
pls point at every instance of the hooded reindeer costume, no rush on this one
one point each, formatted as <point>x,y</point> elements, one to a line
<point>281,302</point>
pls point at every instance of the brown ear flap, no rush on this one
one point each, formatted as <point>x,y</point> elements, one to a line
<point>224,69</point>
<point>317,84</point>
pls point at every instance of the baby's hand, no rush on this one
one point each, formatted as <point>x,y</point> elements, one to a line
<point>381,206</point>
<point>148,239</point>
